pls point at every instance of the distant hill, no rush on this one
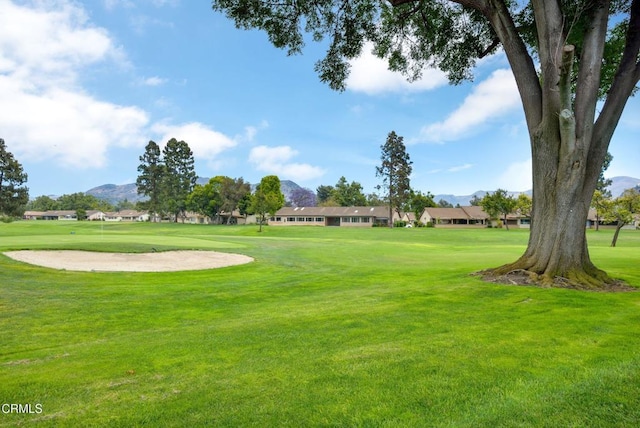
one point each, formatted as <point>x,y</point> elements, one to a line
<point>465,200</point>
<point>114,193</point>
<point>620,184</point>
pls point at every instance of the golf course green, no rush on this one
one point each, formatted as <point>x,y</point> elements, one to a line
<point>370,327</point>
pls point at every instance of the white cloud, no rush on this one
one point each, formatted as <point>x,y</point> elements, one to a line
<point>154,81</point>
<point>371,75</point>
<point>517,177</point>
<point>251,131</point>
<point>203,141</point>
<point>459,167</point>
<point>44,115</point>
<point>276,160</point>
<point>494,97</point>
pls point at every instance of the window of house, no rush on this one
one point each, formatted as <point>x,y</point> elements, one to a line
<point>291,219</point>
<point>301,219</point>
<point>365,219</point>
<point>355,219</point>
<point>345,219</point>
<point>319,219</point>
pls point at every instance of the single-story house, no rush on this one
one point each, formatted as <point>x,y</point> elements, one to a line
<point>592,218</point>
<point>331,216</point>
<point>449,217</point>
<point>95,215</point>
<point>33,215</point>
<point>127,215</point>
<point>60,215</point>
<point>470,216</point>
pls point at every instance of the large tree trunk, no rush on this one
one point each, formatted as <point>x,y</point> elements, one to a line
<point>568,143</point>
<point>562,189</point>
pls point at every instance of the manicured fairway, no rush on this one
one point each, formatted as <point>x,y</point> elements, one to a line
<point>328,327</point>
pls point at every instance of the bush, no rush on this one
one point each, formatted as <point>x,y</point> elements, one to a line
<point>399,223</point>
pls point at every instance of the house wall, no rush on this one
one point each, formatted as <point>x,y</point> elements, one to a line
<point>297,221</point>
<point>351,221</point>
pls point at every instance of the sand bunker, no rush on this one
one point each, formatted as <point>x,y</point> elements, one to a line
<point>129,262</point>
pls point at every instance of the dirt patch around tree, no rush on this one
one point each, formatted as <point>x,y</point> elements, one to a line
<point>523,278</point>
<point>165,261</point>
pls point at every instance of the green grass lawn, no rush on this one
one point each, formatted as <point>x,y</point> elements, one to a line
<point>328,327</point>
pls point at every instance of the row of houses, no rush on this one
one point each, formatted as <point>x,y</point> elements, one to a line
<point>467,216</point>
<point>93,215</point>
<point>470,216</point>
<point>128,215</point>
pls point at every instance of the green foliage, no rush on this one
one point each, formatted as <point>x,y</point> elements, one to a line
<point>499,203</point>
<point>42,203</point>
<point>151,175</point>
<point>621,210</point>
<point>82,201</point>
<point>524,204</point>
<point>603,183</point>
<point>444,204</point>
<point>475,201</point>
<point>179,176</point>
<point>221,194</point>
<point>395,170</point>
<point>419,202</point>
<point>267,199</point>
<point>348,195</point>
<point>205,199</point>
<point>600,202</point>
<point>328,327</point>
<point>324,193</point>
<point>412,35</point>
<point>13,194</point>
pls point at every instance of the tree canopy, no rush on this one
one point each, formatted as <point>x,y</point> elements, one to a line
<point>499,203</point>
<point>267,199</point>
<point>151,173</point>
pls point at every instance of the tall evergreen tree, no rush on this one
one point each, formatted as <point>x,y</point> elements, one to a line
<point>13,194</point>
<point>151,174</point>
<point>179,176</point>
<point>395,170</point>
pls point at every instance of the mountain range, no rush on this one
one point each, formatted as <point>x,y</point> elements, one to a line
<point>114,193</point>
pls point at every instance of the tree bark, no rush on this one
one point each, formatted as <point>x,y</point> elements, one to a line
<point>614,241</point>
<point>557,246</point>
<point>568,144</point>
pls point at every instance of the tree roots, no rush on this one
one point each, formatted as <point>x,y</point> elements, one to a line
<point>576,279</point>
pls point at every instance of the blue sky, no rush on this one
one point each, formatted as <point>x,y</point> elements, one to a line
<point>84,85</point>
